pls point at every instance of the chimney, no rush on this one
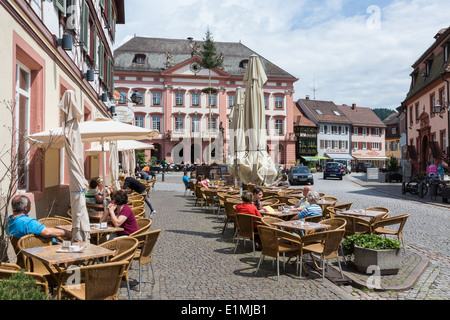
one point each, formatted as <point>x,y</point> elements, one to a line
<point>354,106</point>
<point>307,98</point>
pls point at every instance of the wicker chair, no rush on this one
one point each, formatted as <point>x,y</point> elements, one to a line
<point>245,228</point>
<point>383,210</point>
<point>292,201</point>
<point>272,246</point>
<point>186,187</point>
<point>31,264</point>
<point>137,203</point>
<point>199,194</point>
<point>137,197</point>
<point>144,225</point>
<point>331,211</point>
<point>326,244</point>
<point>8,269</point>
<point>335,223</point>
<point>102,281</point>
<point>54,222</point>
<point>268,221</point>
<point>151,184</point>
<point>125,248</point>
<point>355,225</point>
<point>143,255</point>
<point>315,219</point>
<point>210,198</point>
<point>379,226</point>
<point>139,212</point>
<point>230,213</point>
<point>270,202</point>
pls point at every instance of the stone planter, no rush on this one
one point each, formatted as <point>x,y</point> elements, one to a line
<point>388,261</point>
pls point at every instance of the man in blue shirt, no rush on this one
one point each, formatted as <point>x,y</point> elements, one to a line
<point>19,224</point>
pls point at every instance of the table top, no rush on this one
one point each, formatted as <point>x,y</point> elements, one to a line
<point>327,202</point>
<point>49,255</point>
<point>278,214</point>
<point>298,225</point>
<point>362,213</point>
<point>94,228</point>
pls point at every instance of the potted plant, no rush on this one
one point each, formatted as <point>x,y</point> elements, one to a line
<point>392,169</point>
<point>374,250</point>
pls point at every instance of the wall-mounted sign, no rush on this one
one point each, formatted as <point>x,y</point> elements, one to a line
<point>124,114</point>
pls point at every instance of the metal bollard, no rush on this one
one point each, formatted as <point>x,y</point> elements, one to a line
<point>403,187</point>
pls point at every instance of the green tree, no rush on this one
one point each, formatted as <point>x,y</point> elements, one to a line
<point>383,113</point>
<point>210,60</point>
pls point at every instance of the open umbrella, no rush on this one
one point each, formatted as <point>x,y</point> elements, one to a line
<point>74,152</point>
<point>257,166</point>
<point>122,145</point>
<point>97,130</point>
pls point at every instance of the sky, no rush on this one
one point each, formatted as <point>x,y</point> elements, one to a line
<point>342,51</point>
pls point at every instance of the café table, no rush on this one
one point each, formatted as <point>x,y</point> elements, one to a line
<point>363,213</point>
<point>57,259</point>
<point>300,225</point>
<point>325,203</point>
<point>95,229</point>
<point>278,214</point>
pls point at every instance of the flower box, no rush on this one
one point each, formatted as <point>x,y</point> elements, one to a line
<point>387,261</point>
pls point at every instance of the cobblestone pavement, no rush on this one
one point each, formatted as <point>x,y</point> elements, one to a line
<point>194,261</point>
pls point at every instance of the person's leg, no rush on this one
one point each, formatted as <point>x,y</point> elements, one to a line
<point>147,201</point>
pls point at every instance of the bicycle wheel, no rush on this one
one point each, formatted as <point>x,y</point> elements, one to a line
<point>440,188</point>
<point>413,187</point>
<point>424,189</point>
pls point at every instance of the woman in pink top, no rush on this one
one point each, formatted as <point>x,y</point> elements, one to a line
<point>120,214</point>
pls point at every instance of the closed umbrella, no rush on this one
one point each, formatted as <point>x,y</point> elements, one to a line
<point>237,134</point>
<point>257,166</point>
<point>74,152</point>
<point>114,165</point>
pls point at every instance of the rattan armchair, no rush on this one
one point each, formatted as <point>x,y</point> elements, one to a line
<point>125,249</point>
<point>332,210</point>
<point>139,212</point>
<point>326,244</point>
<point>54,222</point>
<point>315,219</point>
<point>230,213</point>
<point>355,225</point>
<point>101,281</point>
<point>137,197</point>
<point>268,221</point>
<point>144,225</point>
<point>31,264</point>
<point>143,255</point>
<point>8,269</point>
<point>379,226</point>
<point>245,228</point>
<point>272,246</point>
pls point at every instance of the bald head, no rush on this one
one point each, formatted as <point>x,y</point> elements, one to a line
<point>306,190</point>
<point>21,203</point>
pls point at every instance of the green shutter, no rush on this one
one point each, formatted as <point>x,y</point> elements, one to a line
<point>101,60</point>
<point>108,72</point>
<point>84,32</point>
<point>60,5</point>
<point>94,49</point>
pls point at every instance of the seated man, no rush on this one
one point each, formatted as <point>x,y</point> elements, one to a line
<point>19,224</point>
<point>313,209</point>
<point>303,203</point>
<point>282,182</point>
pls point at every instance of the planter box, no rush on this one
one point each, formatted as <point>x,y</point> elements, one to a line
<point>388,261</point>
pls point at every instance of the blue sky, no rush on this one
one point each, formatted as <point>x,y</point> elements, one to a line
<point>342,51</point>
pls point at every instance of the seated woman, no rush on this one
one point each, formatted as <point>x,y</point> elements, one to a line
<point>120,215</point>
<point>313,209</point>
<point>91,194</point>
<point>247,207</point>
<point>257,195</point>
<point>102,190</point>
<point>202,181</point>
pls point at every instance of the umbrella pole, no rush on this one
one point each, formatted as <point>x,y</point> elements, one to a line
<point>104,174</point>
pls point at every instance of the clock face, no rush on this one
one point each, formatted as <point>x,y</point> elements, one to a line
<point>195,67</point>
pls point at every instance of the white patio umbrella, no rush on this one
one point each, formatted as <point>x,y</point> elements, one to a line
<point>74,152</point>
<point>237,134</point>
<point>256,166</point>
<point>121,146</point>
<point>97,130</point>
<point>114,165</point>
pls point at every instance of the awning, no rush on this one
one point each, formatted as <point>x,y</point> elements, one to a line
<point>364,158</point>
<point>340,156</point>
<point>315,158</point>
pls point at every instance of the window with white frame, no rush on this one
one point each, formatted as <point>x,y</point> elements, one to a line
<point>230,101</point>
<point>342,130</point>
<point>139,121</point>
<point>355,130</point>
<point>278,102</point>
<point>195,99</point>
<point>279,126</point>
<point>212,99</point>
<point>377,131</point>
<point>213,124</point>
<point>364,131</point>
<point>266,102</point>
<point>179,124</point>
<point>375,146</point>
<point>179,99</point>
<point>22,123</point>
<point>156,98</point>
<point>355,145</point>
<point>156,123</point>
<point>322,129</point>
<point>195,124</point>
<point>364,145</point>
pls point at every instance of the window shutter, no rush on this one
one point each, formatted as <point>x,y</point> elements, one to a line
<point>84,32</point>
<point>94,49</point>
<point>60,5</point>
<point>101,60</point>
<point>108,72</point>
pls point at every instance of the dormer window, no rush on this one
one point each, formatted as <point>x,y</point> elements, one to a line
<point>318,111</point>
<point>414,79</point>
<point>243,64</point>
<point>139,58</point>
<point>428,65</point>
<point>446,52</point>
<point>336,113</point>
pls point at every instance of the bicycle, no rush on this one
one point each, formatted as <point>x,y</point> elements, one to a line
<point>424,182</point>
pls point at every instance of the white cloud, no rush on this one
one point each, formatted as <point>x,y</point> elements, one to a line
<point>327,40</point>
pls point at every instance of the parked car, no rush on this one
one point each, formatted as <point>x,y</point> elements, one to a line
<point>333,170</point>
<point>299,175</point>
<point>362,166</point>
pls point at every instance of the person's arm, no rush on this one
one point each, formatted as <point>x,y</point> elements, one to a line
<point>49,232</point>
<point>116,221</point>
